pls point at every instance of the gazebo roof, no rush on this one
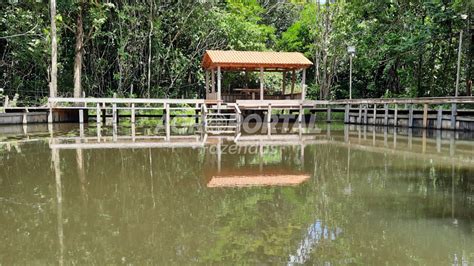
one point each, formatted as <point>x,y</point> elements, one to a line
<point>258,180</point>
<point>253,60</point>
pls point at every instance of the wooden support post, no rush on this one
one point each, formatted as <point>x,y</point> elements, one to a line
<point>114,113</point>
<point>385,117</point>
<point>167,118</point>
<point>395,116</point>
<point>293,80</point>
<point>303,85</point>
<point>97,113</point>
<point>346,114</point>
<point>50,115</point>
<point>213,84</point>
<point>269,113</point>
<point>204,117</point>
<point>99,134</point>
<point>262,85</point>
<point>366,111</point>
<point>114,131</point>
<point>132,117</point>
<point>81,116</point>
<point>133,132</point>
<point>283,84</point>
<point>439,118</point>
<point>5,104</point>
<point>196,114</point>
<point>219,85</point>
<point>375,114</point>
<point>300,115</point>
<point>328,114</point>
<point>104,113</point>
<point>359,119</point>
<point>25,117</point>
<point>425,115</point>
<point>410,116</point>
<point>206,87</point>
<point>453,116</point>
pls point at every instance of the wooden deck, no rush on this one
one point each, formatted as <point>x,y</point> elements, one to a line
<point>455,113</point>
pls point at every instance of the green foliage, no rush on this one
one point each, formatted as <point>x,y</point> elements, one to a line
<point>404,48</point>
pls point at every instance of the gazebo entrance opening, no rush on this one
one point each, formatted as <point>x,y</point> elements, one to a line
<point>288,63</point>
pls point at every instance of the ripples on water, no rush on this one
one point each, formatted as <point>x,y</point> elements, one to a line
<point>332,194</point>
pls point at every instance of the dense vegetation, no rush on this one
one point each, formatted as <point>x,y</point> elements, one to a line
<point>153,48</point>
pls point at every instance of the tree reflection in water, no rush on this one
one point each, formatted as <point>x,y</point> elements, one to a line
<point>383,199</point>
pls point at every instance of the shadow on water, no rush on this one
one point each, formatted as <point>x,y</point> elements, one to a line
<point>329,194</point>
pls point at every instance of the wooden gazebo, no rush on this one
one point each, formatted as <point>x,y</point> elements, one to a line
<point>251,61</point>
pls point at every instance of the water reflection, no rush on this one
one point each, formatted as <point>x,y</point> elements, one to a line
<point>315,233</point>
<point>326,195</point>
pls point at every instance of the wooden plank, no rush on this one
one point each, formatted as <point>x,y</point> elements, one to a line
<point>346,114</point>
<point>104,113</point>
<point>204,117</point>
<point>114,113</point>
<point>262,86</point>
<point>359,119</point>
<point>293,80</point>
<point>219,84</point>
<point>300,114</point>
<point>132,118</point>
<point>5,104</point>
<point>269,113</point>
<point>50,115</point>
<point>167,118</point>
<point>425,115</point>
<point>410,115</point>
<point>125,100</point>
<point>439,118</point>
<point>206,86</point>
<point>421,100</point>
<point>283,83</point>
<point>395,116</point>
<point>25,117</point>
<point>213,84</point>
<point>81,116</point>
<point>385,118</point>
<point>97,113</point>
<point>453,116</point>
<point>375,114</point>
<point>275,103</point>
<point>365,113</point>
<point>303,85</point>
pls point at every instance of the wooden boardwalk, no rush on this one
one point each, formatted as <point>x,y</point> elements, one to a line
<point>454,113</point>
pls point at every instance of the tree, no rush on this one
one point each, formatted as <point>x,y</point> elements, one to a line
<point>53,86</point>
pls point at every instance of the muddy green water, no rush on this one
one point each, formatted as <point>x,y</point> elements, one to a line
<point>331,196</point>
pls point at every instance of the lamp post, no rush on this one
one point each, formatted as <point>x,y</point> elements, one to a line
<point>464,17</point>
<point>351,51</point>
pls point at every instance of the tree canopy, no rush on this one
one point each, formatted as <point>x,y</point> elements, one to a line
<point>153,48</point>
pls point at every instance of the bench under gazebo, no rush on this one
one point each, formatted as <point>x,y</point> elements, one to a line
<point>215,62</point>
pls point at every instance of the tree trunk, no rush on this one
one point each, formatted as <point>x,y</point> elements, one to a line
<point>470,58</point>
<point>149,50</point>
<point>317,53</point>
<point>53,85</point>
<point>324,83</point>
<point>78,53</point>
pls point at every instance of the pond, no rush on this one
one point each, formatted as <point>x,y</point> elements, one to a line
<point>331,194</point>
